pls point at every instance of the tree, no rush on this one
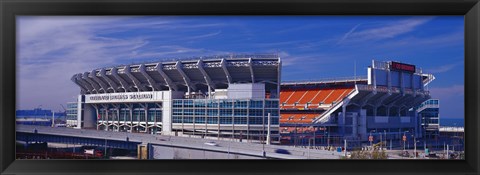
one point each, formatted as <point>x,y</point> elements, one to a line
<point>362,154</point>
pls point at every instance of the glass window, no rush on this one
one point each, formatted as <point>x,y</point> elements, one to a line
<point>188,112</point>
<point>255,112</point>
<point>136,114</point>
<point>177,112</point>
<point>240,112</point>
<point>225,112</point>
<point>212,104</point>
<point>212,120</point>
<point>177,103</point>
<point>200,103</point>
<point>188,103</point>
<point>271,104</point>
<point>151,115</point>
<point>255,120</point>
<point>256,104</point>
<point>212,112</point>
<point>158,115</point>
<point>225,120</point>
<point>177,119</point>
<point>273,112</point>
<point>188,120</point>
<point>240,120</point>
<point>240,104</point>
<point>199,112</point>
<point>225,104</point>
<point>274,120</point>
<point>124,114</point>
<point>200,120</point>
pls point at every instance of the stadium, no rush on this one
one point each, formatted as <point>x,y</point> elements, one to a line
<point>233,96</point>
<point>242,97</point>
<point>384,105</point>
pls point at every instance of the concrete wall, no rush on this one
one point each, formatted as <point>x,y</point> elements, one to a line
<point>390,122</point>
<point>79,112</point>
<point>89,117</point>
<point>165,152</point>
<point>381,78</point>
<point>246,91</point>
<point>167,110</point>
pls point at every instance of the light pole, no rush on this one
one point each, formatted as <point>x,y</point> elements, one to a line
<point>404,136</point>
<point>414,146</point>
<point>371,139</point>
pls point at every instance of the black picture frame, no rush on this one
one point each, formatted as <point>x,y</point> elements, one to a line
<point>11,8</point>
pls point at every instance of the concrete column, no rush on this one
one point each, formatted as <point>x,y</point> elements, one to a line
<point>374,79</point>
<point>79,111</point>
<point>167,113</point>
<point>130,111</point>
<point>268,129</point>
<point>89,116</point>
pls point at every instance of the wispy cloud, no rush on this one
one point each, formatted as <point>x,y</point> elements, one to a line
<point>202,36</point>
<point>348,34</point>
<point>58,47</point>
<point>445,93</point>
<point>384,31</point>
<point>443,68</point>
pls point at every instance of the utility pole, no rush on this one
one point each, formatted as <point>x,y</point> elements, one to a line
<point>448,156</point>
<point>268,129</point>
<point>414,146</point>
<point>345,147</point>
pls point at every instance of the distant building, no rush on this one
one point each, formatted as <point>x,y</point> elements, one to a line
<point>38,113</point>
<point>428,112</point>
<point>72,114</point>
<point>37,116</point>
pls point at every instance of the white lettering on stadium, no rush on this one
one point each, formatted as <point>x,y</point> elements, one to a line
<point>121,97</point>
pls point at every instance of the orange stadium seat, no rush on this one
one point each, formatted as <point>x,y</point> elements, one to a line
<point>310,94</point>
<point>284,95</point>
<point>322,95</point>
<point>296,96</point>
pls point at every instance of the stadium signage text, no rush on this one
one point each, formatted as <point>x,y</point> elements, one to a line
<point>124,97</point>
<point>402,67</point>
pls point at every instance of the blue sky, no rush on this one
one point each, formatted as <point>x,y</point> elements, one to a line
<point>51,49</point>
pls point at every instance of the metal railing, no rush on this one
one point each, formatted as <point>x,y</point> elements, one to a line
<point>326,80</point>
<point>196,58</point>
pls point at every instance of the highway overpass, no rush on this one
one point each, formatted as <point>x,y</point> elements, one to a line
<point>168,147</point>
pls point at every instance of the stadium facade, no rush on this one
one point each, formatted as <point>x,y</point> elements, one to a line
<point>233,96</point>
<point>379,106</point>
<point>241,97</point>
